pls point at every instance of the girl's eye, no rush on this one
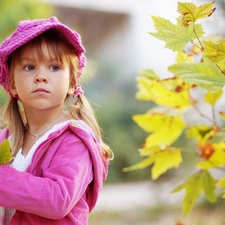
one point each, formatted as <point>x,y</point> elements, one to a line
<point>54,68</point>
<point>29,68</point>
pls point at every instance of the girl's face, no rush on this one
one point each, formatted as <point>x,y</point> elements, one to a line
<point>40,82</point>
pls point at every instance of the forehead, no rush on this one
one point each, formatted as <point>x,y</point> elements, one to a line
<point>42,51</point>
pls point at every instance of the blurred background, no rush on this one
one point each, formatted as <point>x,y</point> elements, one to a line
<point>118,46</point>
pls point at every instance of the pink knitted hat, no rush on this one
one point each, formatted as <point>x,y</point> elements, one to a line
<point>28,30</point>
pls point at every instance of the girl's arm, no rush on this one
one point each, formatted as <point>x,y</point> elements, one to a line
<point>61,186</point>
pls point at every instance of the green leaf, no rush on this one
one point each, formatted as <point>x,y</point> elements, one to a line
<point>209,186</point>
<point>148,73</point>
<point>5,152</point>
<point>175,36</point>
<point>206,75</point>
<point>194,185</point>
<point>192,13</point>
<point>217,138</point>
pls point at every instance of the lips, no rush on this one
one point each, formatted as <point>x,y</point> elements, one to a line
<point>40,90</point>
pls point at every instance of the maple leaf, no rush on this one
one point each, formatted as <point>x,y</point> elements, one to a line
<point>163,160</point>
<point>148,73</point>
<point>192,13</point>
<point>222,115</point>
<point>172,92</point>
<point>206,75</point>
<point>5,152</point>
<point>184,57</point>
<point>194,185</point>
<point>213,97</point>
<point>199,132</point>
<point>175,36</point>
<point>217,159</point>
<point>160,126</point>
<point>213,51</point>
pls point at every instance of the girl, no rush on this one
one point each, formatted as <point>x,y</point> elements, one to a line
<point>60,160</point>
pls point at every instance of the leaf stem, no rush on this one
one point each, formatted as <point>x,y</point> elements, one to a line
<point>211,120</point>
<point>197,37</point>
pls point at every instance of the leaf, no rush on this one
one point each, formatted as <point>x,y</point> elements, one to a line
<point>5,152</point>
<point>141,165</point>
<point>172,92</point>
<point>217,138</point>
<point>212,97</point>
<point>160,126</point>
<point>194,185</point>
<point>192,13</point>
<point>184,57</point>
<point>175,36</point>
<point>221,182</point>
<point>198,131</point>
<point>214,52</point>
<point>216,160</point>
<point>206,75</point>
<point>163,161</point>
<point>222,114</point>
<point>148,73</point>
<point>209,186</point>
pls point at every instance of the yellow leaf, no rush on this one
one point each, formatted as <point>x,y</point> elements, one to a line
<point>212,97</point>
<point>216,160</point>
<point>165,160</point>
<point>150,150</point>
<point>184,57</point>
<point>160,126</point>
<point>192,13</point>
<point>5,152</point>
<point>221,182</point>
<point>141,165</point>
<point>215,52</point>
<point>222,114</point>
<point>198,132</point>
<point>172,92</point>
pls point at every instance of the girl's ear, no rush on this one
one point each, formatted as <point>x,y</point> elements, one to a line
<point>12,88</point>
<point>71,91</point>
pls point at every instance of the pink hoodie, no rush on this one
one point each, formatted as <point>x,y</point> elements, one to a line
<point>61,185</point>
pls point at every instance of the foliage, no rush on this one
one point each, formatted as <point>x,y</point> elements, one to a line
<point>199,67</point>
<point>12,11</point>
<point>5,152</point>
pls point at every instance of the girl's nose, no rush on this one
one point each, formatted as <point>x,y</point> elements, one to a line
<point>40,76</point>
<point>41,79</point>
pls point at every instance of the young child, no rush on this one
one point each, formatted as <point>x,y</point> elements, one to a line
<point>60,160</point>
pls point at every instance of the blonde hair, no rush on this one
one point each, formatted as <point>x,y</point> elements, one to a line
<point>59,47</point>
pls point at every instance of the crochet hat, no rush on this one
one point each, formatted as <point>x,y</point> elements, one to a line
<point>28,30</point>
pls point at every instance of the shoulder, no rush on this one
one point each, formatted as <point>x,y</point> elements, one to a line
<point>81,130</point>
